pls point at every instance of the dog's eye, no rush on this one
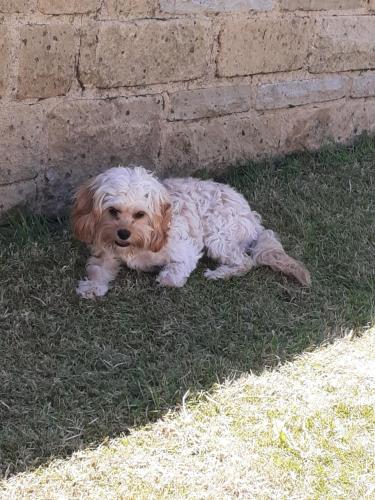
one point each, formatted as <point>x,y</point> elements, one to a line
<point>113,211</point>
<point>139,215</point>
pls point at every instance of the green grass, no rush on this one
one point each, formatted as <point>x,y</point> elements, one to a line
<point>76,372</point>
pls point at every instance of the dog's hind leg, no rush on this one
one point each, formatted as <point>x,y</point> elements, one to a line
<point>233,261</point>
<point>226,271</point>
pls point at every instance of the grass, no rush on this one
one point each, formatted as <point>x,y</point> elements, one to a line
<point>306,430</point>
<point>74,373</point>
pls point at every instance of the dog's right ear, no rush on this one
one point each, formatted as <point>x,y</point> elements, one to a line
<point>84,216</point>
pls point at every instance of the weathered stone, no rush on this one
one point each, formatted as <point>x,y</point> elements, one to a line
<point>301,129</point>
<point>344,43</point>
<point>68,6</point>
<point>131,8</point>
<point>10,6</point>
<point>46,63</point>
<point>17,195</point>
<point>192,6</point>
<point>145,52</point>
<point>21,142</point>
<point>213,101</point>
<point>371,4</point>
<point>250,46</point>
<point>363,86</point>
<point>368,123</point>
<point>88,136</point>
<point>321,4</point>
<point>4,56</point>
<point>214,143</point>
<point>298,92</point>
<point>219,142</point>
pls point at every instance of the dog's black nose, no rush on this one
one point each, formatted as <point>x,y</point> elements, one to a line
<point>123,234</point>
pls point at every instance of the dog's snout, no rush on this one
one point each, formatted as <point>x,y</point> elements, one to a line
<point>123,234</point>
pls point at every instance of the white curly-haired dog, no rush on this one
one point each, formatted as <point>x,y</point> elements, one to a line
<point>128,216</point>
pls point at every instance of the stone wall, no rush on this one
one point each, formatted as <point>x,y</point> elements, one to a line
<point>175,85</point>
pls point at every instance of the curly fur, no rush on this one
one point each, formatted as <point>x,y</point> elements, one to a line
<point>168,225</point>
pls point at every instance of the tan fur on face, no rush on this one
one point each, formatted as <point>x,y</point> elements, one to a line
<point>149,232</point>
<point>84,216</point>
<point>161,223</point>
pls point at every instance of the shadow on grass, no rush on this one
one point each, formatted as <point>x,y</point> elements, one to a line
<point>74,372</point>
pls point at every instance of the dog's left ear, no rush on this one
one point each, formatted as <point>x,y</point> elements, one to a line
<point>161,223</point>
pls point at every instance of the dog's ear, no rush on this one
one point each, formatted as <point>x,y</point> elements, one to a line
<point>84,217</point>
<point>161,223</point>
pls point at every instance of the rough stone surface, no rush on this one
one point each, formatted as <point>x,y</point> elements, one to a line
<point>363,86</point>
<point>192,6</point>
<point>4,55</point>
<point>130,8</point>
<point>145,52</point>
<point>17,195</point>
<point>214,143</point>
<point>21,142</point>
<point>299,129</point>
<point>214,101</point>
<point>68,6</point>
<point>88,136</point>
<point>218,142</point>
<point>321,4</point>
<point>115,81</point>
<point>298,92</point>
<point>46,63</point>
<point>10,6</point>
<point>250,46</point>
<point>368,123</point>
<point>344,43</point>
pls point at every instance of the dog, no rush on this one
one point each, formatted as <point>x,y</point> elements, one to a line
<point>127,215</point>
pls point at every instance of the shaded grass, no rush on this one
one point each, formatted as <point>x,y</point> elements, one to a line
<point>74,372</point>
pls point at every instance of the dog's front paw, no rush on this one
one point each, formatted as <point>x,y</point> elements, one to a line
<point>210,274</point>
<point>166,278</point>
<point>90,289</point>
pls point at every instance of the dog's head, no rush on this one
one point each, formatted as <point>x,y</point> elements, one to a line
<point>123,207</point>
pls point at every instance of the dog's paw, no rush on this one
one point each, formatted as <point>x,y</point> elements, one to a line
<point>169,279</point>
<point>90,289</point>
<point>211,274</point>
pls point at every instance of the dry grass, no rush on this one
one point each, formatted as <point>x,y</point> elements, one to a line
<point>304,431</point>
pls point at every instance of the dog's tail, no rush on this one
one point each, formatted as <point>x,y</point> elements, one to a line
<point>268,251</point>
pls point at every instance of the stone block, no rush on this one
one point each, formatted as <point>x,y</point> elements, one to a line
<point>251,46</point>
<point>369,116</point>
<point>344,43</point>
<point>209,102</point>
<point>145,52</point>
<point>15,6</point>
<point>321,4</point>
<point>46,60</point>
<point>17,195</point>
<point>86,137</point>
<point>371,4</point>
<point>197,6</point>
<point>68,6</point>
<point>310,128</point>
<point>298,92</point>
<point>215,143</point>
<point>130,8</point>
<point>22,142</point>
<point>4,59</point>
<point>363,86</point>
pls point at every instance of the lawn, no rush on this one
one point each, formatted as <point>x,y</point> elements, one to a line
<point>74,373</point>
